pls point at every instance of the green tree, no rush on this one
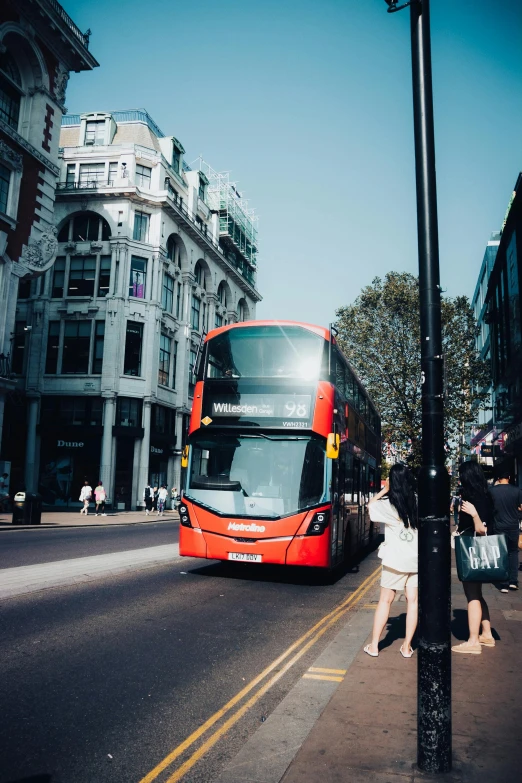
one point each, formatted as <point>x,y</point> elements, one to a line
<point>380,335</point>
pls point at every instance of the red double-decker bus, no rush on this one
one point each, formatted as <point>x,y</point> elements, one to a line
<point>283,449</point>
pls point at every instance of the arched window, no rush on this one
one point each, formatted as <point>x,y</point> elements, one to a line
<point>199,274</point>
<point>10,90</point>
<point>243,313</point>
<point>85,227</point>
<point>171,249</point>
<point>222,294</point>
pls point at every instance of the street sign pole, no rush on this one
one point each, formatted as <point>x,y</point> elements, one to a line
<point>434,653</point>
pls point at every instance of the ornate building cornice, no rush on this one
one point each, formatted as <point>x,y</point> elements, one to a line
<point>5,128</point>
<point>10,156</point>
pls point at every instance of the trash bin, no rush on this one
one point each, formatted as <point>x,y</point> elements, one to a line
<point>27,508</point>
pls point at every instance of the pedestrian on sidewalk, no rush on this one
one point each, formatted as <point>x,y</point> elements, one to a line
<point>396,507</point>
<point>174,498</point>
<point>155,498</point>
<point>476,516</point>
<point>85,497</point>
<point>147,497</point>
<point>163,494</point>
<point>455,505</point>
<point>100,497</point>
<point>507,500</point>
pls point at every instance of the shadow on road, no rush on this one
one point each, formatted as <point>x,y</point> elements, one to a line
<point>293,575</point>
<point>33,779</point>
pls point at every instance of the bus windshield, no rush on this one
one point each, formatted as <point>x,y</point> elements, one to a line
<point>265,352</point>
<point>257,475</point>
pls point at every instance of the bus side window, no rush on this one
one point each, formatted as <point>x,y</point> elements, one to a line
<point>340,374</point>
<point>348,478</point>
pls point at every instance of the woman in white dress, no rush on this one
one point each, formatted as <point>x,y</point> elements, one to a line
<point>396,507</point>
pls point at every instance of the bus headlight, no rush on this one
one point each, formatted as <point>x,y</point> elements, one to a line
<point>318,524</point>
<point>184,517</point>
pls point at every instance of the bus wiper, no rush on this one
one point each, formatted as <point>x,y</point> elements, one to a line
<point>276,438</point>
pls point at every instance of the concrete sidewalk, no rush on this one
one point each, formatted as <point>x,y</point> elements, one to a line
<point>368,730</point>
<point>58,573</point>
<point>365,728</point>
<point>56,519</point>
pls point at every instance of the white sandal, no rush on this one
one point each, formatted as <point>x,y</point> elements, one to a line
<point>369,652</point>
<point>404,655</point>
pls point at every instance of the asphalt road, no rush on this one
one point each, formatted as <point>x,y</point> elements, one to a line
<point>47,545</point>
<point>100,681</point>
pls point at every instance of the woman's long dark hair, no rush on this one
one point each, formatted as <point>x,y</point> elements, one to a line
<point>401,494</point>
<point>474,484</point>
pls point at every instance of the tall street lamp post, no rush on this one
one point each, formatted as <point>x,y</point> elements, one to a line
<point>434,654</point>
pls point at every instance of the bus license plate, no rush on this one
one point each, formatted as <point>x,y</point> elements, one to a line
<point>245,557</point>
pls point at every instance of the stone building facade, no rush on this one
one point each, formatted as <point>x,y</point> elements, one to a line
<point>151,255</point>
<point>39,46</point>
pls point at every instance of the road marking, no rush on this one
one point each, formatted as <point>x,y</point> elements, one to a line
<point>319,629</point>
<point>321,670</point>
<point>327,677</point>
<point>369,606</point>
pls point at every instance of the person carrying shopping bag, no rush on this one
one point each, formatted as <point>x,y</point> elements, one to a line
<point>396,507</point>
<point>475,518</point>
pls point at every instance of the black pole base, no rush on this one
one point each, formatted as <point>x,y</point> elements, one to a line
<point>434,708</point>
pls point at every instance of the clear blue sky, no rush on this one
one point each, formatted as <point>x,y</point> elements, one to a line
<point>308,105</point>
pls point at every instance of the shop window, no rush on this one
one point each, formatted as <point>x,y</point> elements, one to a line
<point>128,412</point>
<point>82,274</point>
<point>73,411</point>
<point>141,227</point>
<point>105,276</point>
<point>99,336</point>
<point>164,360</point>
<point>167,294</point>
<point>133,342</point>
<point>53,345</point>
<point>17,361</point>
<point>138,274</point>
<point>143,176</point>
<point>96,411</point>
<point>194,312</point>
<point>76,345</point>
<point>58,273</point>
<point>163,420</point>
<point>5,179</point>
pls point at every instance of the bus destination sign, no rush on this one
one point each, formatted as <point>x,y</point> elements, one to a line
<point>292,408</point>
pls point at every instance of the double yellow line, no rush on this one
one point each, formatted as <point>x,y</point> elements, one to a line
<point>310,637</point>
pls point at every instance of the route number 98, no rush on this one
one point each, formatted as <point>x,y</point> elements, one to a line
<point>295,409</point>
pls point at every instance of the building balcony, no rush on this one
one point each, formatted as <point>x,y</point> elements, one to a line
<point>94,184</point>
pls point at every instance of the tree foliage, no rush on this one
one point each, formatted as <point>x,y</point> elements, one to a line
<point>380,335</point>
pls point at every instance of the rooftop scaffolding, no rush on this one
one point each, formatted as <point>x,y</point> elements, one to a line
<point>237,223</point>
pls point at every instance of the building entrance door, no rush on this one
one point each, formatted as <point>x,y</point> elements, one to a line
<point>123,474</point>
